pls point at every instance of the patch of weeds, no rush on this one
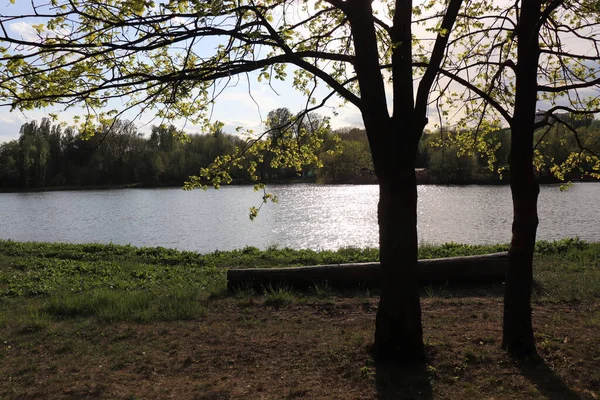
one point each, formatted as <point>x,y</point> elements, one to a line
<point>455,249</point>
<point>430,369</point>
<point>142,306</point>
<point>278,296</point>
<point>546,342</point>
<point>475,356</point>
<point>322,290</point>
<point>593,320</point>
<point>436,294</point>
<point>358,339</point>
<point>367,373</point>
<point>117,366</point>
<point>470,355</point>
<point>245,292</point>
<point>34,320</point>
<point>560,246</point>
<point>180,304</point>
<point>106,304</point>
<point>458,371</point>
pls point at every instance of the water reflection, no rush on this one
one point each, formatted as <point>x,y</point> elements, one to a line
<point>308,216</point>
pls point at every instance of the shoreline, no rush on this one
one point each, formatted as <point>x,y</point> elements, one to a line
<point>276,183</point>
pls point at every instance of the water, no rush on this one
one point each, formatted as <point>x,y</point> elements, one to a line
<point>307,216</point>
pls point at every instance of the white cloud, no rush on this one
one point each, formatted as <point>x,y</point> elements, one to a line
<point>25,30</point>
<point>7,120</point>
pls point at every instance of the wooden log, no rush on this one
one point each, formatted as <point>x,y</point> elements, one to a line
<point>469,269</point>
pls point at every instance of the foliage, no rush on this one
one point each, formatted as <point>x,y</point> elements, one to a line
<point>122,156</point>
<point>48,156</point>
<point>565,80</point>
<point>351,164</point>
<point>34,269</point>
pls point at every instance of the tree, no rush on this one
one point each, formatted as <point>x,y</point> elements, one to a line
<point>91,52</point>
<point>536,20</point>
<point>349,160</point>
<point>526,61</point>
<point>35,153</point>
<point>9,172</point>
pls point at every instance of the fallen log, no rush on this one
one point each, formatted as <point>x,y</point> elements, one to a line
<point>469,269</point>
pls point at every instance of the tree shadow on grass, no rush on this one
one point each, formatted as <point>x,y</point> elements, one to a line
<point>547,382</point>
<point>402,382</point>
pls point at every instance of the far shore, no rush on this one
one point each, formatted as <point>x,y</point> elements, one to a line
<point>370,181</point>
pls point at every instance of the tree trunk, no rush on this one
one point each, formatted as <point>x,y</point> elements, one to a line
<point>398,330</point>
<point>517,327</point>
<point>518,330</point>
<point>393,142</point>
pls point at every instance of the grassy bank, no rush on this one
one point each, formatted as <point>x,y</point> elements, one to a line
<point>120,322</point>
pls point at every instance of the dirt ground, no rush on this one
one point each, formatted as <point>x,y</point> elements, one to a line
<point>310,349</point>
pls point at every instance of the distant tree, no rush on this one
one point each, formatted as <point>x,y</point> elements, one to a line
<point>352,163</point>
<point>9,168</point>
<point>35,154</point>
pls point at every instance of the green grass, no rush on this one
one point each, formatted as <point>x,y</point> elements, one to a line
<point>112,305</point>
<point>116,283</point>
<point>569,274</point>
<point>278,296</point>
<point>322,290</point>
<point>33,320</point>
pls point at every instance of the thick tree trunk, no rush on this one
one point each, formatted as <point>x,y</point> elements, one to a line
<point>517,329</point>
<point>398,331</point>
<point>393,142</point>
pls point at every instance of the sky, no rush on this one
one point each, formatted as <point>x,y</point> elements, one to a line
<point>235,107</point>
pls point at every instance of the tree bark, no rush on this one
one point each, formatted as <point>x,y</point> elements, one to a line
<point>393,142</point>
<point>517,325</point>
<point>398,328</point>
<point>518,329</point>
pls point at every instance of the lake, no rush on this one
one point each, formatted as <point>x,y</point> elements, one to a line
<point>307,216</point>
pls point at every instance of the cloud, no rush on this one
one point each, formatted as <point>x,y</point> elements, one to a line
<point>25,30</point>
<point>7,120</point>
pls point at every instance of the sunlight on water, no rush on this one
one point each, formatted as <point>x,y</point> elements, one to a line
<point>308,216</point>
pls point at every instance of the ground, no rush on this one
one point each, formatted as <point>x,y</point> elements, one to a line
<point>118,322</point>
<point>246,347</point>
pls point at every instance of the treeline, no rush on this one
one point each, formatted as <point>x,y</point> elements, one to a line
<point>47,155</point>
<point>455,157</point>
<point>444,155</point>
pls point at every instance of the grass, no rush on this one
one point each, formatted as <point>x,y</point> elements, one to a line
<point>141,306</point>
<point>278,296</point>
<point>119,322</point>
<point>322,290</point>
